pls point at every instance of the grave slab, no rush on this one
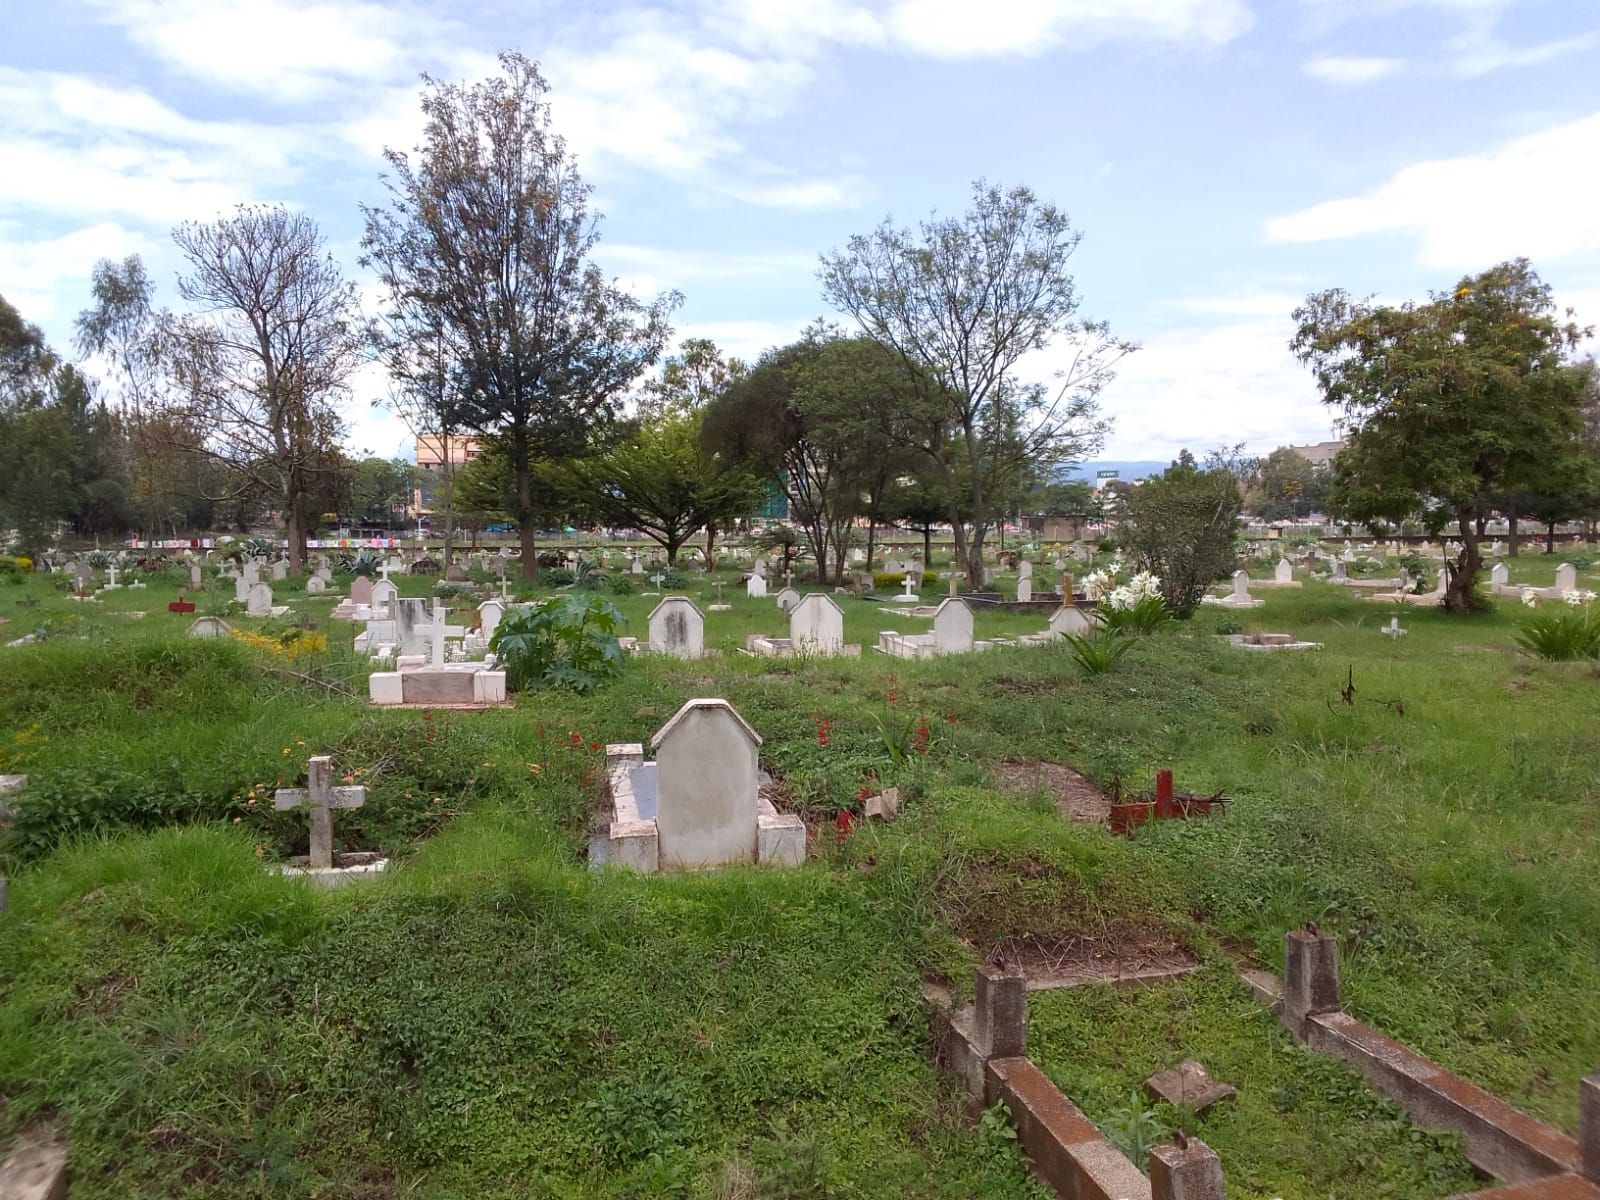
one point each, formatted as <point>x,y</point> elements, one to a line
<point>1188,1086</point>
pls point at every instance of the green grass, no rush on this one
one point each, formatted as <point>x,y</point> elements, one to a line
<point>494,1019</point>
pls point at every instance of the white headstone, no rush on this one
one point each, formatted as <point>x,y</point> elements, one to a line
<point>280,571</point>
<point>1241,585</point>
<point>678,628</point>
<point>1025,569</point>
<point>195,575</point>
<point>635,567</point>
<point>315,585</point>
<point>258,600</point>
<point>384,594</point>
<point>1499,575</point>
<point>817,624</point>
<point>787,599</point>
<point>756,586</point>
<point>1283,572</point>
<point>489,614</point>
<point>1067,620</point>
<point>1567,577</point>
<point>952,627</point>
<point>1025,589</point>
<point>250,572</point>
<point>707,786</point>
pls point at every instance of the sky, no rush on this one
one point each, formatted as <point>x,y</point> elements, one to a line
<point>1222,158</point>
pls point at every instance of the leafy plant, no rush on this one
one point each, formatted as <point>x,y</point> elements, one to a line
<point>566,642</point>
<point>1097,653</point>
<point>674,580</point>
<point>620,585</point>
<point>1135,1130</point>
<point>557,577</point>
<point>1145,615</point>
<point>902,739</point>
<point>1562,634</point>
<point>640,1118</point>
<point>589,575</point>
<point>997,1141</point>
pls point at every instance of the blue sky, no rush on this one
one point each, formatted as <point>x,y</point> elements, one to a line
<point>1222,157</point>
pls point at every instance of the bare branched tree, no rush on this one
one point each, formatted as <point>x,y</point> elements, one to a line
<point>266,352</point>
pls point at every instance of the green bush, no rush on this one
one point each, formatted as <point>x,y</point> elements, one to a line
<point>1097,653</point>
<point>1562,634</point>
<point>674,580</point>
<point>566,642</point>
<point>620,585</point>
<point>104,797</point>
<point>893,579</point>
<point>556,577</point>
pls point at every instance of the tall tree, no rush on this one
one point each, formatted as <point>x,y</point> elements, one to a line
<point>1183,526</point>
<point>962,301</point>
<point>266,354</point>
<point>1447,402</point>
<point>1286,484</point>
<point>489,229</point>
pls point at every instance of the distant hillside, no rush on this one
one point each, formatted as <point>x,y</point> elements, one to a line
<point>1128,470</point>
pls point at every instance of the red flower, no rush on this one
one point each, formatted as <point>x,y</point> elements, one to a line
<point>596,746</point>
<point>920,743</point>
<point>843,825</point>
<point>864,793</point>
<point>575,738</point>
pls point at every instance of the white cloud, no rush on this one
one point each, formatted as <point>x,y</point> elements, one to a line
<point>1203,387</point>
<point>964,29</point>
<point>1476,50</point>
<point>745,339</point>
<point>33,271</point>
<point>1533,196</point>
<point>646,270</point>
<point>287,50</point>
<point>1352,71</point>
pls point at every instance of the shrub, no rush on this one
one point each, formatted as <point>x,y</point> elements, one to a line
<point>561,642</point>
<point>674,580</point>
<point>1097,653</point>
<point>556,577</point>
<point>1183,526</point>
<point>1562,634</point>
<point>893,579</point>
<point>621,585</point>
<point>1143,615</point>
<point>105,796</point>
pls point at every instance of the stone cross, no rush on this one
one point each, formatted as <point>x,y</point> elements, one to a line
<point>1392,629</point>
<point>656,579</point>
<point>112,572</point>
<point>321,799</point>
<point>719,585</point>
<point>436,631</point>
<point>788,577</point>
<point>955,588</point>
<point>383,568</point>
<point>910,592</point>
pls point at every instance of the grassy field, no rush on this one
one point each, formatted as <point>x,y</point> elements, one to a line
<point>495,1019</point>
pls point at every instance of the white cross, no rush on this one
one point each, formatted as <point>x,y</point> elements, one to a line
<point>788,577</point>
<point>321,799</point>
<point>112,571</point>
<point>383,569</point>
<point>656,579</point>
<point>719,585</point>
<point>910,592</point>
<point>437,631</point>
<point>1392,629</point>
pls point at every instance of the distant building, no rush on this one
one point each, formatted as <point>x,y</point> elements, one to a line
<point>464,447</point>
<point>1319,454</point>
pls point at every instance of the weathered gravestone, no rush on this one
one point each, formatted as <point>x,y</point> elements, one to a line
<point>258,600</point>
<point>816,625</point>
<point>677,628</point>
<point>361,590</point>
<point>319,798</point>
<point>787,599</point>
<point>708,784</point>
<point>952,627</point>
<point>756,586</point>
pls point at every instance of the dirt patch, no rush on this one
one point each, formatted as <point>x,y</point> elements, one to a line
<point>1123,957</point>
<point>1077,798</point>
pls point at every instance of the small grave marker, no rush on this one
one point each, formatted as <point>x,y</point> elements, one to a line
<point>320,799</point>
<point>180,605</point>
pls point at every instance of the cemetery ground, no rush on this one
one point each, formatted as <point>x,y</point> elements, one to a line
<point>492,1017</point>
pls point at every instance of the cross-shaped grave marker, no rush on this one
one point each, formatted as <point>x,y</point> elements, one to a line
<point>656,579</point>
<point>112,571</point>
<point>719,585</point>
<point>1393,629</point>
<point>788,577</point>
<point>383,568</point>
<point>321,799</point>
<point>436,631</point>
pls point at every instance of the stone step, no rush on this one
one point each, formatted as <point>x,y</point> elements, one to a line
<point>1556,1187</point>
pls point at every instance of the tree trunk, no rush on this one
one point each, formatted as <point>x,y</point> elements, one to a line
<point>526,533</point>
<point>1550,538</point>
<point>449,501</point>
<point>711,546</point>
<point>1511,531</point>
<point>927,550</point>
<point>872,532</point>
<point>1458,594</point>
